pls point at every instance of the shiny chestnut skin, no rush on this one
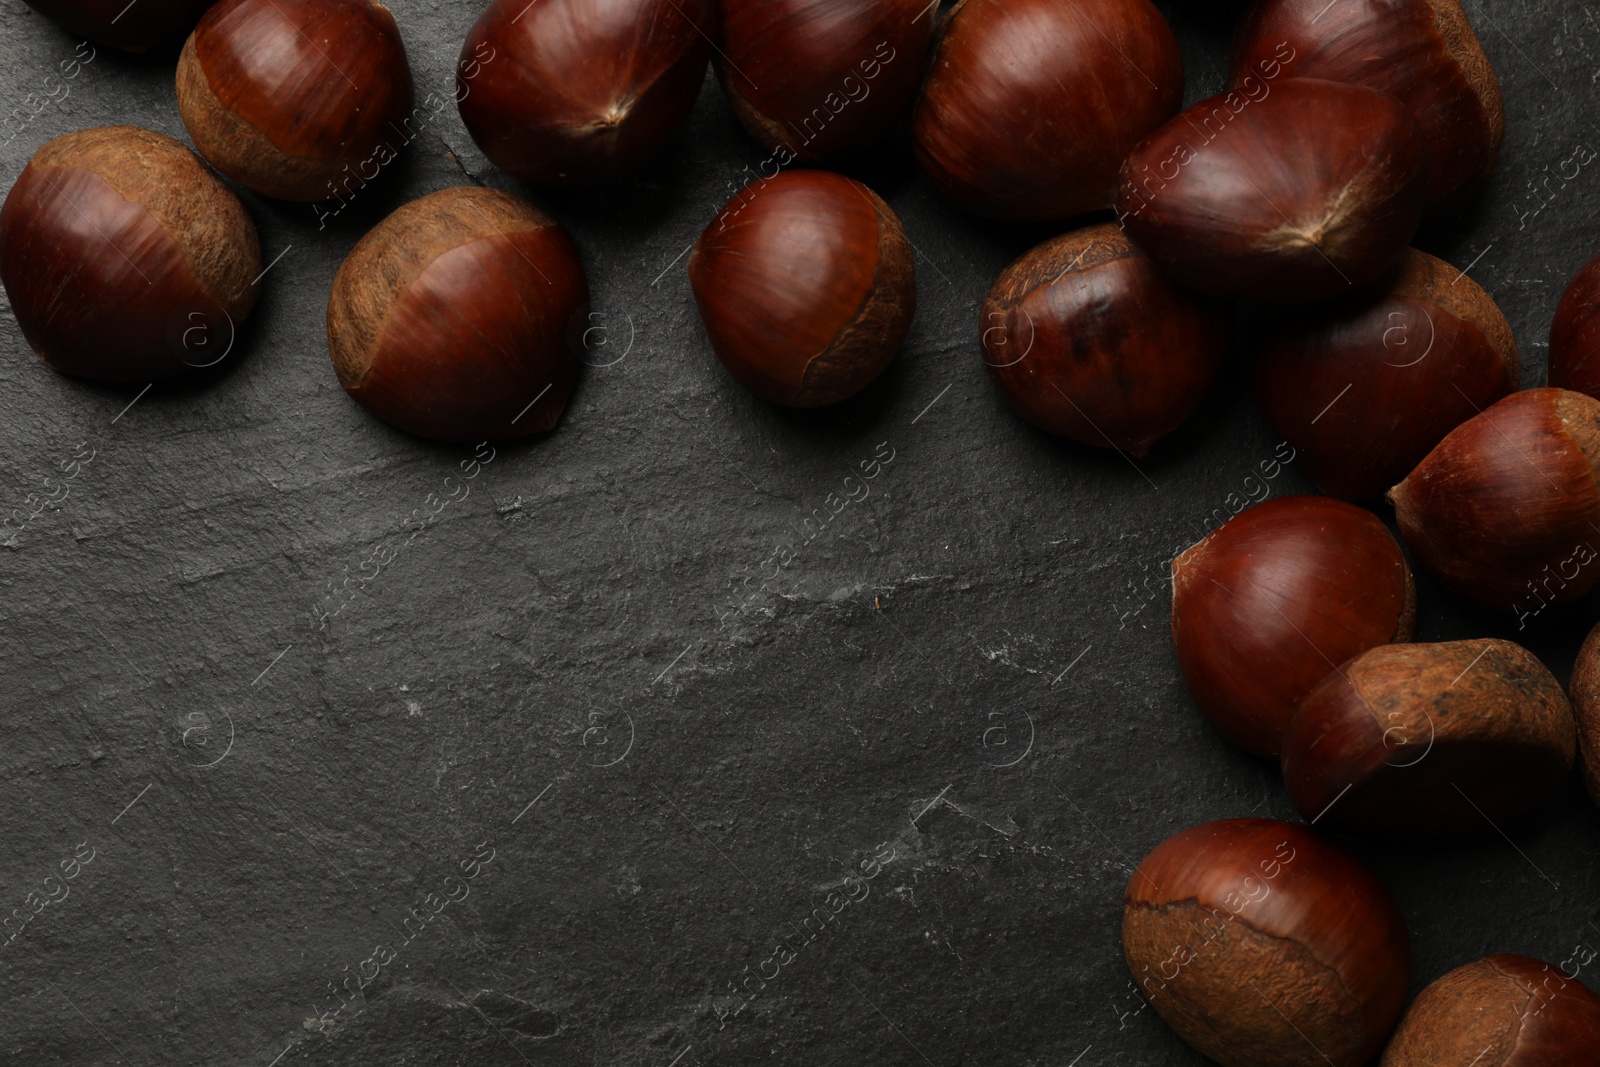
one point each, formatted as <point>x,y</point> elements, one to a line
<point>128,27</point>
<point>1267,604</point>
<point>1263,946</point>
<point>1502,1011</point>
<point>1365,386</point>
<point>288,96</point>
<point>124,258</point>
<point>1030,105</point>
<point>1575,334</point>
<point>1090,342</point>
<point>1435,738</point>
<point>1586,707</point>
<point>568,93</point>
<point>806,285</point>
<point>1504,511</point>
<point>454,319</point>
<point>1302,192</point>
<point>1422,51</point>
<point>819,79</point>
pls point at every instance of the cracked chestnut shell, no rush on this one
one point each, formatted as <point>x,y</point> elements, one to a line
<point>1030,106</point>
<point>1303,192</point>
<point>291,98</point>
<point>134,27</point>
<point>124,258</point>
<point>1429,738</point>
<point>1267,604</point>
<point>1422,51</point>
<point>454,319</point>
<point>822,78</point>
<point>1575,334</point>
<point>1264,946</point>
<point>568,93</point>
<point>1505,511</point>
<point>806,285</point>
<point>1504,1011</point>
<point>1090,342</point>
<point>1586,707</point>
<point>1364,387</point>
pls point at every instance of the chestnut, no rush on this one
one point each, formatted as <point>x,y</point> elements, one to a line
<point>1364,387</point>
<point>1092,343</point>
<point>285,96</point>
<point>565,93</point>
<point>1586,707</point>
<point>1429,738</point>
<point>1030,106</point>
<point>1422,51</point>
<point>1575,334</point>
<point>124,258</point>
<point>1295,195</point>
<point>1504,510</point>
<point>454,319</point>
<point>1505,1011</point>
<point>1271,601</point>
<point>1264,946</point>
<point>131,27</point>
<point>817,79</point>
<point>806,285</point>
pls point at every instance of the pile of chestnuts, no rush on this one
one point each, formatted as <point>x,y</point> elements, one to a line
<point>1297,189</point>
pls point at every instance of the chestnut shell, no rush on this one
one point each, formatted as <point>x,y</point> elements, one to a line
<point>1575,334</point>
<point>1586,707</point>
<point>131,28</point>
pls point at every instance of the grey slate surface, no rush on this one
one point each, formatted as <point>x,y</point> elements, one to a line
<point>965,683</point>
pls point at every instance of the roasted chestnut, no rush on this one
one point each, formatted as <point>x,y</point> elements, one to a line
<point>1586,707</point>
<point>1422,51</point>
<point>1429,738</point>
<point>455,318</point>
<point>1364,387</point>
<point>1030,106</point>
<point>806,286</point>
<point>1296,192</point>
<point>124,258</point>
<point>1575,334</point>
<point>816,79</point>
<point>1504,510</point>
<point>1270,602</point>
<point>1504,1011</point>
<point>1091,342</point>
<point>575,92</point>
<point>1264,946</point>
<point>132,27</point>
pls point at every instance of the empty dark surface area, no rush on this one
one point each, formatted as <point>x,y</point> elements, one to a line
<point>613,719</point>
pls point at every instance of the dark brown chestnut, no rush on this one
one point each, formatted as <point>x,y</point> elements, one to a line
<point>1503,1011</point>
<point>817,79</point>
<point>806,286</point>
<point>1302,190</point>
<point>1422,51</point>
<point>1092,343</point>
<point>566,93</point>
<point>1586,707</point>
<point>131,27</point>
<point>1575,334</point>
<point>1429,738</point>
<point>1365,386</point>
<point>1270,602</point>
<point>1504,511</point>
<point>1030,106</point>
<point>286,97</point>
<point>455,318</point>
<point>1264,946</point>
<point>125,259</point>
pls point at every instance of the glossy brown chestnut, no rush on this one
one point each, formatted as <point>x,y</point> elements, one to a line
<point>806,286</point>
<point>131,27</point>
<point>1429,738</point>
<point>1030,105</point>
<point>455,318</point>
<point>1302,191</point>
<point>1422,51</point>
<point>291,98</point>
<point>1092,343</point>
<point>125,259</point>
<point>1504,511</point>
<point>816,79</point>
<point>1586,707</point>
<point>1264,946</point>
<point>1364,387</point>
<point>1504,1011</point>
<point>1270,602</point>
<point>567,93</point>
<point>1575,334</point>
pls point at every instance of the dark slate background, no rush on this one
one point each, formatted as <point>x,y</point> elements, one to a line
<point>966,682</point>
